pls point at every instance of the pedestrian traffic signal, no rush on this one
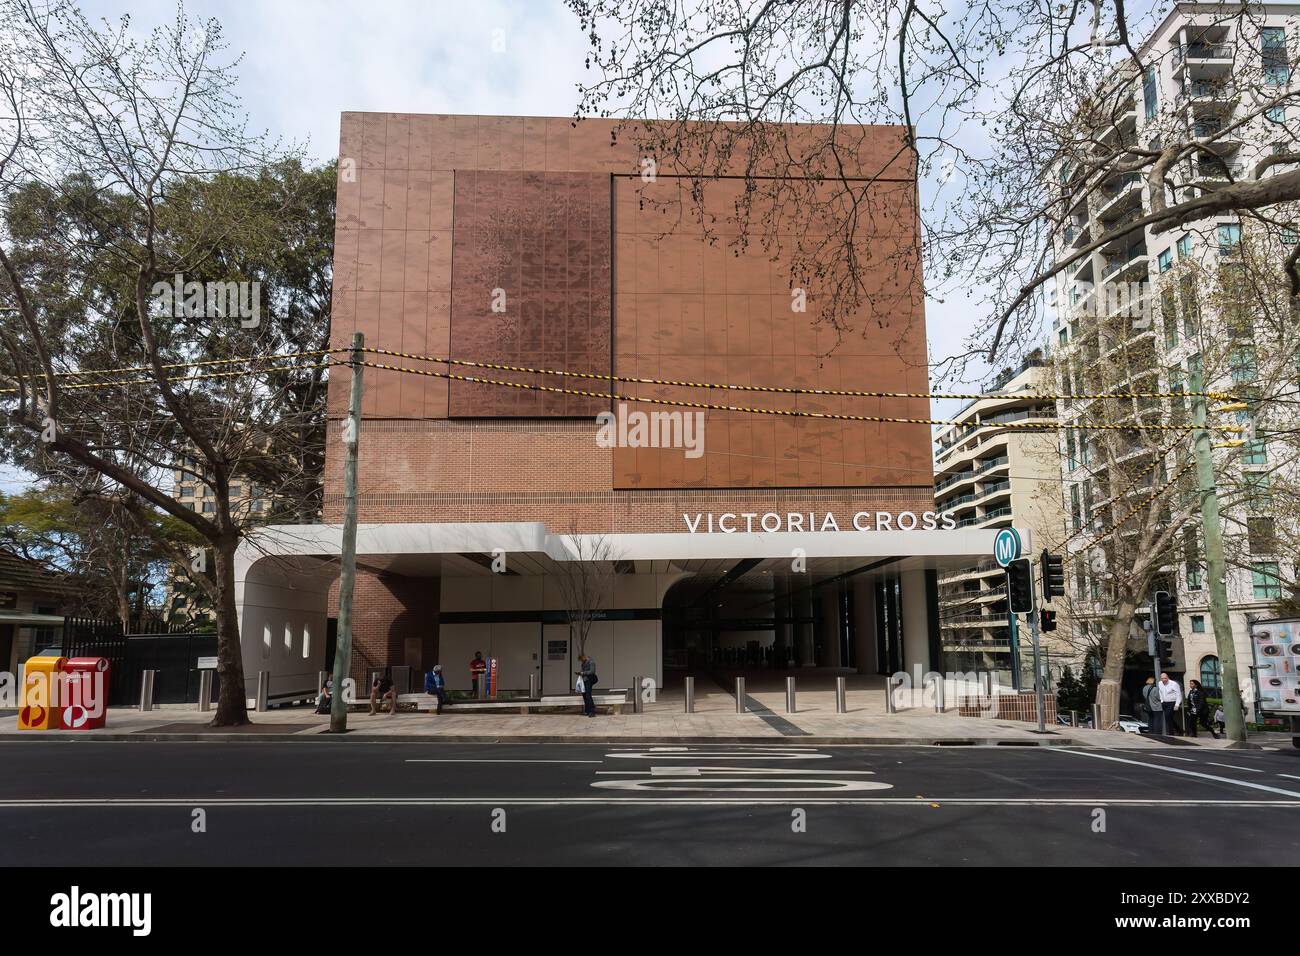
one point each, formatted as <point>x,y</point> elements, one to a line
<point>1166,649</point>
<point>1166,614</point>
<point>1053,576</point>
<point>1020,586</point>
<point>1047,620</point>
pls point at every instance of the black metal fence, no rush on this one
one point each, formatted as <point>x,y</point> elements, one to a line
<point>173,651</point>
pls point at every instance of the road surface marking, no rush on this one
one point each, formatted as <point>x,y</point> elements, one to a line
<point>741,785</point>
<point>717,755</point>
<point>1233,766</point>
<point>1289,776</point>
<point>695,771</point>
<point>1179,770</point>
<point>485,760</point>
<point>1154,754</point>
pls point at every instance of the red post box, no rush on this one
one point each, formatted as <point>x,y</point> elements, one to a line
<point>84,700</point>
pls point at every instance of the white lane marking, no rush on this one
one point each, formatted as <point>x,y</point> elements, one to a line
<point>1233,766</point>
<point>1153,754</point>
<point>1179,770</point>
<point>293,802</point>
<point>741,785</point>
<point>757,771</point>
<point>718,755</point>
<point>1289,776</point>
<point>484,760</point>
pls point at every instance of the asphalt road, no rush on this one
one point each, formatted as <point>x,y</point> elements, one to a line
<point>284,803</point>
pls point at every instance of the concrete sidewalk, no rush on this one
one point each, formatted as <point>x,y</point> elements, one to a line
<point>663,722</point>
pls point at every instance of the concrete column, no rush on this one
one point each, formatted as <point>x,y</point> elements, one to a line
<point>807,645</point>
<point>864,623</point>
<point>916,622</point>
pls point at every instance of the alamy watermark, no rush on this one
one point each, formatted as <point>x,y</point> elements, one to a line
<point>626,428</point>
<point>209,300</point>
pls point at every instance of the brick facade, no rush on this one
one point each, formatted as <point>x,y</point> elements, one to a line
<point>395,621</point>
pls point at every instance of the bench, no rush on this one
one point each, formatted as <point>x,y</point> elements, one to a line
<point>616,698</point>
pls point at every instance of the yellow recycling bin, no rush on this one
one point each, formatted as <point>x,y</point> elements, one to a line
<point>37,710</point>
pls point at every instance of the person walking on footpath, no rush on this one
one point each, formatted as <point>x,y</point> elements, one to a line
<point>1171,699</point>
<point>1151,701</point>
<point>1198,710</point>
<point>435,685</point>
<point>587,674</point>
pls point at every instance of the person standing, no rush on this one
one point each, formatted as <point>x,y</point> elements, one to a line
<point>1171,699</point>
<point>587,671</point>
<point>477,668</point>
<point>1198,710</point>
<point>435,685</point>
<point>1151,701</point>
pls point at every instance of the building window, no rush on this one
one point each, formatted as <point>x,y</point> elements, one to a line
<point>1211,679</point>
<point>1259,491</point>
<point>1289,236</point>
<point>187,491</point>
<point>1178,402</point>
<point>207,507</point>
<point>1229,238</point>
<point>1277,114</point>
<point>1242,364</point>
<point>1265,581</point>
<point>1195,579</point>
<point>1273,53</point>
<point>1185,247</point>
<point>1198,623</point>
<point>1261,535</point>
<point>1166,260</point>
<point>1149,99</point>
<point>1255,452</point>
<point>234,491</point>
<point>1063,336</point>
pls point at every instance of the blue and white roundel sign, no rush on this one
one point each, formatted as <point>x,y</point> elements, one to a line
<point>1006,546</point>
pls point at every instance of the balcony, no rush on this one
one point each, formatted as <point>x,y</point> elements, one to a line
<point>1209,51</point>
<point>992,463</point>
<point>1118,195</point>
<point>1131,261</point>
<point>993,488</point>
<point>997,514</point>
<point>1209,91</point>
<point>953,480</point>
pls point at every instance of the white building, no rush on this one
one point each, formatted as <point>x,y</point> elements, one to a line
<point>1132,306</point>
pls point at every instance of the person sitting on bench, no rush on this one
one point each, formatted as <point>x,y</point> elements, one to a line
<point>323,699</point>
<point>382,689</point>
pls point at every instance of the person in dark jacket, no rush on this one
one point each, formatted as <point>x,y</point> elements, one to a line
<point>587,671</point>
<point>1151,702</point>
<point>435,685</point>
<point>1198,710</point>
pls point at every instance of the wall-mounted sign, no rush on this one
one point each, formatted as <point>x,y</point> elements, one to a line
<point>772,521</point>
<point>207,664</point>
<point>557,650</point>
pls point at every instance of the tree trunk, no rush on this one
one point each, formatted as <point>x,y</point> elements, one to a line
<point>232,704</point>
<point>1113,672</point>
<point>123,602</point>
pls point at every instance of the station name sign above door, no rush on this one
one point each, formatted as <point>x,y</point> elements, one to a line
<point>750,521</point>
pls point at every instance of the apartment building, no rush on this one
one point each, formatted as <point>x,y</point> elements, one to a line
<point>1145,310</point>
<point>990,477</point>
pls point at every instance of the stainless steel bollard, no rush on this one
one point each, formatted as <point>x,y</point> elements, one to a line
<point>146,689</point>
<point>841,695</point>
<point>690,695</point>
<point>789,695</point>
<point>205,690</point>
<point>532,687</point>
<point>263,691</point>
<point>740,695</point>
<point>638,705</point>
<point>938,694</point>
<point>889,696</point>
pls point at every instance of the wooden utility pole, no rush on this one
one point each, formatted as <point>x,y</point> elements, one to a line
<point>348,560</point>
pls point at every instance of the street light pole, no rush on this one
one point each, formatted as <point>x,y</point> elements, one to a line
<point>1212,528</point>
<point>348,559</point>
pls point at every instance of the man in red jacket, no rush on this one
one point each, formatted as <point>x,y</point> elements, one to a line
<point>477,668</point>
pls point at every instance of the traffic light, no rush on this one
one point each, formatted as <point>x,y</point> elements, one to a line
<point>1166,649</point>
<point>1053,576</point>
<point>1047,620</point>
<point>1165,612</point>
<point>1020,586</point>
